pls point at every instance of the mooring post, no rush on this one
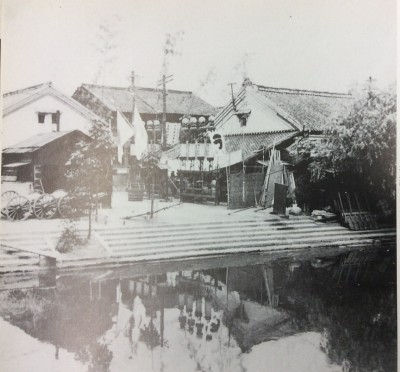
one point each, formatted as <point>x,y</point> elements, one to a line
<point>46,261</point>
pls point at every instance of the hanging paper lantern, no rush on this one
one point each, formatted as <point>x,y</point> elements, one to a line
<point>202,119</point>
<point>193,120</point>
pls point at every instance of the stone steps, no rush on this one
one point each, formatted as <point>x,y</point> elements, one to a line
<point>188,255</point>
<point>195,236</point>
<point>218,244</point>
<point>160,242</point>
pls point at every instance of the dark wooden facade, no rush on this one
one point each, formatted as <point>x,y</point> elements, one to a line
<point>24,163</point>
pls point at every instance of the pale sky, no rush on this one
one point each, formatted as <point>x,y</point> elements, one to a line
<point>307,44</point>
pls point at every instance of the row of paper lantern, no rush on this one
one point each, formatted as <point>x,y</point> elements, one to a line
<point>153,124</point>
<point>187,121</point>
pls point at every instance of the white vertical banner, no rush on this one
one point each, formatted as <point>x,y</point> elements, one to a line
<point>141,137</point>
<point>218,147</point>
<point>125,132</point>
<point>173,130</point>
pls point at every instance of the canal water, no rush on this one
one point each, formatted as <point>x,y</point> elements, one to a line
<point>247,313</point>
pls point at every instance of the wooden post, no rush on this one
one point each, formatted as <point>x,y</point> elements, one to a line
<point>166,185</point>
<point>152,196</point>
<point>45,261</point>
<point>268,280</point>
<point>132,88</point>
<point>90,219</point>
<point>47,278</point>
<point>227,186</point>
<point>162,321</point>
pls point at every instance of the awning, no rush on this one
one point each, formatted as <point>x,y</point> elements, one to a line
<point>15,165</point>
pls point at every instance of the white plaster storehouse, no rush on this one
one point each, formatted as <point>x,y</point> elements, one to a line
<point>41,109</point>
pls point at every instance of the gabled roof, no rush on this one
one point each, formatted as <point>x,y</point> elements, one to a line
<point>149,100</point>
<point>280,109</point>
<point>311,109</point>
<point>262,115</point>
<point>14,100</point>
<point>34,143</point>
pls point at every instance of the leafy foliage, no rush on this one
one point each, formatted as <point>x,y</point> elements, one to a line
<point>91,163</point>
<point>69,238</point>
<point>152,156</point>
<point>90,170</point>
<point>362,144</point>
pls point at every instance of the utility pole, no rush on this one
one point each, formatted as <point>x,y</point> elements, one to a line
<point>130,158</point>
<point>133,93</point>
<point>164,114</point>
<point>233,97</point>
<point>165,79</point>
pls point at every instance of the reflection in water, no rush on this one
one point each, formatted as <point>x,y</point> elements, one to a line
<point>327,313</point>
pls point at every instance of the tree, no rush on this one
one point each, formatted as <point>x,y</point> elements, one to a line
<point>360,147</point>
<point>90,170</point>
<point>105,47</point>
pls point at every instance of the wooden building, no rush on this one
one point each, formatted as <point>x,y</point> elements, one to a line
<point>106,101</point>
<point>255,120</point>
<point>40,160</point>
<point>260,118</point>
<point>113,103</point>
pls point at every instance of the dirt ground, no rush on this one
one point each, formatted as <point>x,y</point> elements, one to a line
<point>130,213</point>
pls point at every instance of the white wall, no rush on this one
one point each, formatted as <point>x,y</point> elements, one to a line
<point>23,123</point>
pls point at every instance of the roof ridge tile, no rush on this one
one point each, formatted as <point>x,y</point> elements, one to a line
<point>303,92</point>
<point>27,89</point>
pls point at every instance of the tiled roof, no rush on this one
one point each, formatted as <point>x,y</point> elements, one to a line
<point>149,100</point>
<point>250,143</point>
<point>312,109</point>
<point>262,115</point>
<point>11,98</point>
<point>279,109</point>
<point>14,100</point>
<point>34,143</point>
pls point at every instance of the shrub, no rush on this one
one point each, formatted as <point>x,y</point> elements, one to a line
<point>69,238</point>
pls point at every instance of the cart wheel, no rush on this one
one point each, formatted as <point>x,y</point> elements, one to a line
<point>65,207</point>
<point>45,206</point>
<point>5,198</point>
<point>18,208</point>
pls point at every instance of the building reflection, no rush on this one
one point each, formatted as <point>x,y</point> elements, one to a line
<point>231,308</point>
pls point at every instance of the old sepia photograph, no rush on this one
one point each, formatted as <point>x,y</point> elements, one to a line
<point>198,186</point>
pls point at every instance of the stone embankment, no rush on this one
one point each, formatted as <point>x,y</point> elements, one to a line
<point>158,242</point>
